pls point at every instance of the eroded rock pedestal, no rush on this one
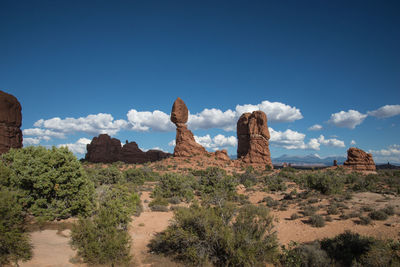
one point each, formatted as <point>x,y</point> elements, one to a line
<point>104,149</point>
<point>253,138</point>
<point>359,160</point>
<point>10,122</point>
<point>185,144</point>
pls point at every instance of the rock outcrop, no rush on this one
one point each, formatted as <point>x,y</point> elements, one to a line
<point>10,122</point>
<point>104,149</point>
<point>253,138</point>
<point>185,144</point>
<point>359,160</point>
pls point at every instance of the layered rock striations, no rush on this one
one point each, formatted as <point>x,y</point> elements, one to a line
<point>253,138</point>
<point>185,144</point>
<point>359,160</point>
<point>104,149</point>
<point>10,122</point>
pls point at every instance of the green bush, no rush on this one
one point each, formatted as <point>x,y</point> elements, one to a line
<point>364,220</point>
<point>202,235</point>
<point>326,182</point>
<point>173,185</point>
<point>332,209</point>
<point>317,220</point>
<point>389,210</point>
<point>159,204</point>
<point>52,182</point>
<point>378,215</point>
<point>305,255</point>
<point>14,241</point>
<point>140,175</point>
<point>275,183</point>
<point>248,178</point>
<point>109,175</point>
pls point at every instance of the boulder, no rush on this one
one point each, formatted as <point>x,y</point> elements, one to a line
<point>253,138</point>
<point>179,113</point>
<point>359,160</point>
<point>10,122</point>
<point>104,149</point>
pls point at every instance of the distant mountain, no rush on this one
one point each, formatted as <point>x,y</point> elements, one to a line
<point>307,160</point>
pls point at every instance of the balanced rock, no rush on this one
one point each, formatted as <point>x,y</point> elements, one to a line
<point>104,149</point>
<point>253,138</point>
<point>359,160</point>
<point>10,122</point>
<point>185,144</point>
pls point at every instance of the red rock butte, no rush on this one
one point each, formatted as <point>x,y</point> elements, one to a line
<point>253,138</point>
<point>359,160</point>
<point>10,122</point>
<point>104,149</point>
<point>185,144</point>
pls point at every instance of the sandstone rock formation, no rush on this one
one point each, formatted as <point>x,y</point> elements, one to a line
<point>105,149</point>
<point>10,122</point>
<point>253,136</point>
<point>359,160</point>
<point>185,144</point>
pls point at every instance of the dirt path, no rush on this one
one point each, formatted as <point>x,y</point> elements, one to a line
<point>50,249</point>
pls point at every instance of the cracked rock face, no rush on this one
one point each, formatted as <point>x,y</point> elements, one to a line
<point>185,144</point>
<point>253,138</point>
<point>10,122</point>
<point>359,160</point>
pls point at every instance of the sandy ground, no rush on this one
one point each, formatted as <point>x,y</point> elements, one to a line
<point>51,249</point>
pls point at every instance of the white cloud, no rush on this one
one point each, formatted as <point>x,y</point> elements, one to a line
<point>27,141</point>
<point>385,111</point>
<point>348,119</point>
<point>91,124</point>
<point>353,142</point>
<point>315,127</point>
<point>330,142</point>
<point>290,139</point>
<point>390,154</point>
<point>276,111</point>
<point>146,120</point>
<point>213,118</point>
<point>79,147</point>
<point>43,133</point>
<point>217,142</point>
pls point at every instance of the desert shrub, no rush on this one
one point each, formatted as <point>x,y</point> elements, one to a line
<point>364,220</point>
<point>326,182</point>
<point>332,209</point>
<point>346,247</point>
<point>270,202</point>
<point>275,183</point>
<point>201,235</point>
<point>109,175</point>
<point>294,216</point>
<point>215,186</point>
<point>366,183</point>
<point>317,220</point>
<point>351,249</point>
<point>140,175</point>
<point>100,240</point>
<point>389,210</point>
<point>52,182</point>
<point>309,210</point>
<point>248,178</point>
<point>378,215</point>
<point>304,255</point>
<point>175,185</point>
<point>159,204</point>
<point>328,218</point>
<point>14,241</point>
<point>367,208</point>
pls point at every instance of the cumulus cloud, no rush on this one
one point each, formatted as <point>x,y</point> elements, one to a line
<point>28,141</point>
<point>214,143</point>
<point>315,127</point>
<point>330,142</point>
<point>213,118</point>
<point>290,139</point>
<point>79,147</point>
<point>43,133</point>
<point>146,120</point>
<point>385,111</point>
<point>91,124</point>
<point>390,154</point>
<point>276,111</point>
<point>347,119</point>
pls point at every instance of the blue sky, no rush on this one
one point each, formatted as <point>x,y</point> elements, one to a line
<point>80,68</point>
